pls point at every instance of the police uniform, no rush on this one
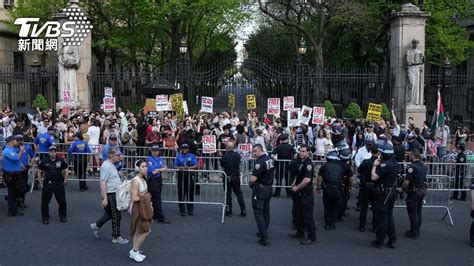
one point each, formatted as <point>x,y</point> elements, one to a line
<point>264,171</point>
<point>53,183</point>
<point>459,177</point>
<point>304,199</point>
<point>366,190</point>
<point>12,175</point>
<point>283,151</point>
<point>385,196</point>
<point>344,160</point>
<point>332,174</point>
<point>230,162</point>
<point>416,175</point>
<point>25,161</point>
<point>185,182</point>
<point>78,149</point>
<point>155,184</point>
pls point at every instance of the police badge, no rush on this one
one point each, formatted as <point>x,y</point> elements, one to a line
<point>309,167</point>
<point>58,164</point>
<point>410,170</point>
<point>257,166</point>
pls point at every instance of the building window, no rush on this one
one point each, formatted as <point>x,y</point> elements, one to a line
<point>8,4</point>
<point>18,61</point>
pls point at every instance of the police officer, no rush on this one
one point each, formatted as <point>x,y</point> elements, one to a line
<point>460,173</point>
<point>261,182</point>
<point>283,151</point>
<point>26,160</point>
<point>52,179</point>
<point>385,175</point>
<point>78,149</point>
<point>345,154</point>
<point>156,167</point>
<point>414,186</point>
<point>113,142</point>
<point>12,168</point>
<point>185,162</point>
<point>302,187</point>
<point>330,180</point>
<point>367,187</point>
<point>44,141</point>
<point>230,162</point>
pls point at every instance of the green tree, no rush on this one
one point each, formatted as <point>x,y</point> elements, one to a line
<point>385,112</point>
<point>353,111</point>
<point>40,102</point>
<point>329,109</point>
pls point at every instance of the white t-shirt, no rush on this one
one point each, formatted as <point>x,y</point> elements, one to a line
<point>110,175</point>
<point>321,144</point>
<point>94,135</point>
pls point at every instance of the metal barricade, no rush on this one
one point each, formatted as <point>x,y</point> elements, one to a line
<point>442,182</point>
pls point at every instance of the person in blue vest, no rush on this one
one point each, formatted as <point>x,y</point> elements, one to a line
<point>44,141</point>
<point>11,172</point>
<point>185,162</point>
<point>113,141</point>
<point>156,166</point>
<point>79,150</point>
<point>26,160</point>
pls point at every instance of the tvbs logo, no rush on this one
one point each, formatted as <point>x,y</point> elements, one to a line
<point>36,37</point>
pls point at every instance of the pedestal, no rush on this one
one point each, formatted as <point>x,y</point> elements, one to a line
<point>418,112</point>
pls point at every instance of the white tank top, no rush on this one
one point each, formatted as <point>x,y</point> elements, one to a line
<point>142,184</point>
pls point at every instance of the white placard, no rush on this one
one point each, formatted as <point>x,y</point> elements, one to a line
<point>162,103</point>
<point>288,103</point>
<point>108,92</point>
<point>293,117</point>
<point>185,107</point>
<point>209,144</point>
<point>305,114</point>
<point>273,107</point>
<point>318,115</point>
<point>207,104</point>
<point>109,104</point>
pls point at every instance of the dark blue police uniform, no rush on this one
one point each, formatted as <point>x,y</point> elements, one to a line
<point>416,175</point>
<point>12,168</point>
<point>304,199</point>
<point>155,184</point>
<point>78,149</point>
<point>185,182</point>
<point>53,183</point>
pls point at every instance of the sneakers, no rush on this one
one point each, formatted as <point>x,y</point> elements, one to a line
<point>136,256</point>
<point>120,240</point>
<point>95,230</point>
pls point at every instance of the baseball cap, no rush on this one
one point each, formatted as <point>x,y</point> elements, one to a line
<point>53,148</point>
<point>19,137</point>
<point>185,146</point>
<point>10,138</point>
<point>113,137</point>
<point>155,148</point>
<point>51,128</point>
<point>79,136</point>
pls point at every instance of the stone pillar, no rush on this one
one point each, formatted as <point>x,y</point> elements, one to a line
<point>81,94</point>
<point>406,26</point>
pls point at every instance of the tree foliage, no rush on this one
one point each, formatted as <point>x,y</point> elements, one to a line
<point>353,111</point>
<point>329,109</point>
<point>40,102</point>
<point>385,112</point>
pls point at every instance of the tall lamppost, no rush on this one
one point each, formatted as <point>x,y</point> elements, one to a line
<point>183,72</point>
<point>302,92</point>
<point>35,71</point>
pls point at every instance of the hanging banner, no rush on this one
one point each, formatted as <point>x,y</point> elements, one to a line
<point>293,117</point>
<point>185,107</point>
<point>162,103</point>
<point>245,150</point>
<point>305,114</point>
<point>108,92</point>
<point>374,112</point>
<point>288,103</point>
<point>231,100</point>
<point>66,96</point>
<point>109,104</point>
<point>273,106</point>
<point>209,144</point>
<point>207,104</point>
<point>251,102</point>
<point>318,115</point>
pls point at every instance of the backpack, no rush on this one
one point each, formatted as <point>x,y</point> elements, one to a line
<point>124,195</point>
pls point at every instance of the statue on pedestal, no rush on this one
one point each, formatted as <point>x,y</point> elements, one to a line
<point>415,62</point>
<point>69,62</point>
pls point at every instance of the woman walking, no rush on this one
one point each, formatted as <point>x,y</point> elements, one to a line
<point>142,211</point>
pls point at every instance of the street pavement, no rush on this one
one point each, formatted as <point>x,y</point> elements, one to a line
<point>203,240</point>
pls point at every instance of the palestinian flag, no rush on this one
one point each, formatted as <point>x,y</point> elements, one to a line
<point>438,116</point>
